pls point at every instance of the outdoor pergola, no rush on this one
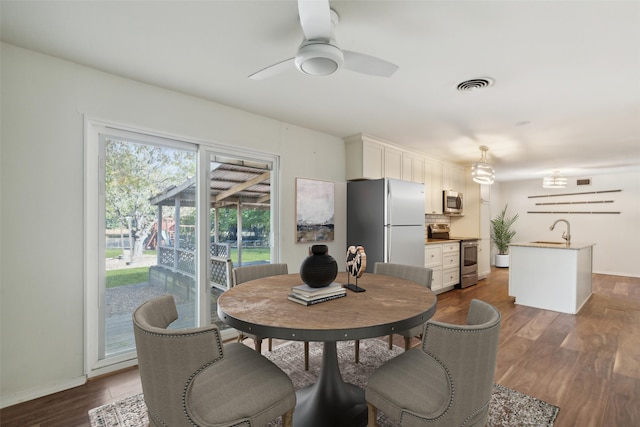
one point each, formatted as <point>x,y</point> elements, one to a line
<point>239,184</point>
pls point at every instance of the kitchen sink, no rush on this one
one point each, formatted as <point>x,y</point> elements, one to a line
<point>543,242</point>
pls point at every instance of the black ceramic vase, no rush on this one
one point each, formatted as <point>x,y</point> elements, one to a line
<point>319,269</point>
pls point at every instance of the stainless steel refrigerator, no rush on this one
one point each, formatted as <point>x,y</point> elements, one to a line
<point>386,217</point>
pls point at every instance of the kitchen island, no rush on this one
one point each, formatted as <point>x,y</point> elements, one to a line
<point>551,275</point>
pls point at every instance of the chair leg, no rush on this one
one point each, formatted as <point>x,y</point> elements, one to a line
<point>287,419</point>
<point>270,344</point>
<point>240,337</point>
<point>306,355</point>
<point>357,351</point>
<point>372,413</point>
<point>258,344</point>
<point>390,341</point>
<point>407,343</point>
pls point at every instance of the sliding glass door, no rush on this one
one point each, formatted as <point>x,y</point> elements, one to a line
<point>164,216</point>
<point>150,244</point>
<point>239,218</point>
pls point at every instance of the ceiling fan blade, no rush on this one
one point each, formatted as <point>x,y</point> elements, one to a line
<point>367,64</point>
<point>272,70</point>
<point>315,19</point>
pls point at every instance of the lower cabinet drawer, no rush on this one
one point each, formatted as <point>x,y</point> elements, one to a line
<point>450,277</point>
<point>451,247</point>
<point>450,260</point>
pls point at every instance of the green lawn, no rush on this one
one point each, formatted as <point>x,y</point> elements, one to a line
<point>251,255</point>
<point>127,276</point>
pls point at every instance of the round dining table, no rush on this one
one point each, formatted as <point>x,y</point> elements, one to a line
<point>388,305</point>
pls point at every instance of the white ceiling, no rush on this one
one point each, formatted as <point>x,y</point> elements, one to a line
<point>570,70</point>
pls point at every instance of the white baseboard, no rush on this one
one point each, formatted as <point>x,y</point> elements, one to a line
<point>34,393</point>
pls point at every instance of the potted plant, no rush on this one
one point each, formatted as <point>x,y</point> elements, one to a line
<point>501,235</point>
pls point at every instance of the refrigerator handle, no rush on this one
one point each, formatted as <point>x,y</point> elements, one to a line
<point>388,204</point>
<point>387,246</point>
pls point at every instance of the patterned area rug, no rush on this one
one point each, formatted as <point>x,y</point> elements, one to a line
<point>507,408</point>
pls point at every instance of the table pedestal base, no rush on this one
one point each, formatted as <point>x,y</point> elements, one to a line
<point>330,402</point>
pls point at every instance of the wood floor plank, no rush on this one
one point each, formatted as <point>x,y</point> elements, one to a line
<point>585,403</point>
<point>623,405</point>
<point>628,356</point>
<point>537,325</point>
<point>587,364</point>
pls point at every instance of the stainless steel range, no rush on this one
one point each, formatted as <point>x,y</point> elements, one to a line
<point>468,253</point>
<point>468,262</point>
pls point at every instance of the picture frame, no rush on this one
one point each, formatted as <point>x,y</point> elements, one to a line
<point>315,210</point>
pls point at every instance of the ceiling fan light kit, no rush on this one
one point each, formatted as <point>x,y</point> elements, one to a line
<point>319,59</point>
<point>482,172</point>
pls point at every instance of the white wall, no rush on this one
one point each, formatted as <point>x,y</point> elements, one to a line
<point>616,235</point>
<point>44,101</point>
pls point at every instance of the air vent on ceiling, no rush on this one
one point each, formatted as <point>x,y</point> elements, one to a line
<point>475,84</point>
<point>583,181</point>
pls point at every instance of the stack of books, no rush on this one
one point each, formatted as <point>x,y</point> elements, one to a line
<point>306,295</point>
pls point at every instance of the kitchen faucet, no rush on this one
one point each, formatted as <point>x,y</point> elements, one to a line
<point>565,235</point>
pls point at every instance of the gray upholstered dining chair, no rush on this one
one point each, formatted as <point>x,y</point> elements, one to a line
<point>417,387</point>
<point>190,378</point>
<point>420,275</point>
<point>251,272</point>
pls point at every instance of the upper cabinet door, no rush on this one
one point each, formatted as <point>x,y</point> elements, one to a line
<point>392,163</point>
<point>433,187</point>
<point>364,158</point>
<point>453,178</point>
<point>412,168</point>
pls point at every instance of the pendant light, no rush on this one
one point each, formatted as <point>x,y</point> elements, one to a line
<point>555,180</point>
<point>482,172</point>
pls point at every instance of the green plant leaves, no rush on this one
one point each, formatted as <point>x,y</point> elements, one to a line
<point>501,233</point>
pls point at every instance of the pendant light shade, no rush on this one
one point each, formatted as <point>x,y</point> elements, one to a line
<point>555,180</point>
<point>482,172</point>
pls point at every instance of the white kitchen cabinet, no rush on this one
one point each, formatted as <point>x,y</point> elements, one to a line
<point>453,178</point>
<point>392,163</point>
<point>485,193</point>
<point>444,260</point>
<point>450,264</point>
<point>484,249</point>
<point>450,277</point>
<point>413,167</point>
<point>436,279</point>
<point>364,158</point>
<point>433,255</point>
<point>433,187</point>
<point>484,258</point>
<point>368,158</point>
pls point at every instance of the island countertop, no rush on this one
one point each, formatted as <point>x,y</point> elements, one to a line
<point>553,245</point>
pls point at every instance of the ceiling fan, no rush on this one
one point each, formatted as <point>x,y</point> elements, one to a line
<point>318,54</point>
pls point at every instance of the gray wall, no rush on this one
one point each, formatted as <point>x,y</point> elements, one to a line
<point>44,102</point>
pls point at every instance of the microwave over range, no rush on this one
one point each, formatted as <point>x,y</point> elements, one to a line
<point>452,203</point>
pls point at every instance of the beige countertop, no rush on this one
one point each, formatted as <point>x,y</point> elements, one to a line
<point>553,245</point>
<point>436,241</point>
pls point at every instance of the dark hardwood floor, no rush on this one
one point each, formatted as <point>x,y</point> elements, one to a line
<point>588,364</point>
